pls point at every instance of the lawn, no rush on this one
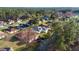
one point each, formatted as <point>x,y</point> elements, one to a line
<point>14,45</point>
<point>18,46</point>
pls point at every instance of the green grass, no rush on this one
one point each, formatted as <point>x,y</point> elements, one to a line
<point>18,46</point>
<point>4,43</point>
<point>31,47</point>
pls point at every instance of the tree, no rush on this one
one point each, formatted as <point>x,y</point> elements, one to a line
<point>70,32</point>
<point>58,35</point>
<point>64,34</point>
<point>27,36</point>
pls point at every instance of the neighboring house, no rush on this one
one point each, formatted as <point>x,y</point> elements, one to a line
<point>11,21</point>
<point>45,28</point>
<point>65,15</point>
<point>22,26</point>
<point>40,29</point>
<point>9,17</point>
<point>27,36</point>
<point>69,14</point>
<point>11,30</point>
<point>23,17</point>
<point>2,35</point>
<point>37,29</point>
<point>19,20</point>
<point>31,22</point>
<point>60,14</point>
<point>46,17</point>
<point>1,23</point>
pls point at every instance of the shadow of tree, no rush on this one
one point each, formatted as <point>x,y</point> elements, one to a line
<point>22,49</point>
<point>13,39</point>
<point>30,47</point>
<point>20,43</point>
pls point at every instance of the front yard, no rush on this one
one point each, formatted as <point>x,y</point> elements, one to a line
<point>14,45</point>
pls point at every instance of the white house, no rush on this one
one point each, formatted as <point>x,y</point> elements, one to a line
<point>11,21</point>
<point>40,29</point>
<point>1,23</point>
<point>37,29</point>
<point>19,20</point>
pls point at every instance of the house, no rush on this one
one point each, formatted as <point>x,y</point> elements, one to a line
<point>45,28</point>
<point>69,14</point>
<point>40,29</point>
<point>23,17</point>
<point>9,17</point>
<point>22,26</point>
<point>60,14</point>
<point>1,23</point>
<point>11,21</point>
<point>37,29</point>
<point>31,22</point>
<point>2,35</point>
<point>46,17</point>
<point>19,20</point>
<point>27,36</point>
<point>11,30</point>
<point>65,14</point>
